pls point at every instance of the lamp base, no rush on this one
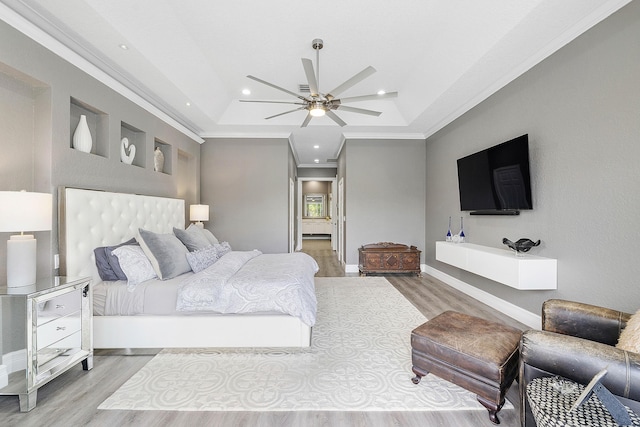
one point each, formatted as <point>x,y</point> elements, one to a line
<point>199,224</point>
<point>21,260</point>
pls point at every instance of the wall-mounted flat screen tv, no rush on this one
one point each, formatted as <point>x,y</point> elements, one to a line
<point>496,180</point>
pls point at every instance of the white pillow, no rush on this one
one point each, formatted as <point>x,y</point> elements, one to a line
<point>135,265</point>
<point>206,233</point>
<point>630,336</point>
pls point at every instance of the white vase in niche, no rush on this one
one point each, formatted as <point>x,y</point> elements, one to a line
<point>82,136</point>
<point>158,160</point>
<point>127,151</point>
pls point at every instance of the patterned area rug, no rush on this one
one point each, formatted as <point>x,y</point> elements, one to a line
<point>359,360</point>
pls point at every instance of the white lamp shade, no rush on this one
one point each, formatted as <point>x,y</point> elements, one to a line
<point>25,211</point>
<point>199,212</point>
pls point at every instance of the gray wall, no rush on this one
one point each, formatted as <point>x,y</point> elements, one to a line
<point>317,172</point>
<point>581,110</point>
<point>246,184</point>
<point>385,193</point>
<point>36,122</point>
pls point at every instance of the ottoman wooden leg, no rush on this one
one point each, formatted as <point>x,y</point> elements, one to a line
<point>492,408</point>
<point>419,374</point>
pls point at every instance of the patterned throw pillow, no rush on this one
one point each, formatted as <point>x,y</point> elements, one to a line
<point>630,337</point>
<point>199,260</point>
<point>107,264</point>
<point>222,248</point>
<point>135,265</point>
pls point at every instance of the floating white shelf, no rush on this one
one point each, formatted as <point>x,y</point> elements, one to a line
<point>526,272</point>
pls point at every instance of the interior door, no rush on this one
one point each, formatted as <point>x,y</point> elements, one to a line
<point>340,225</point>
<point>292,217</point>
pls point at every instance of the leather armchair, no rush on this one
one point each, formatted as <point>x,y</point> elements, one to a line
<point>576,342</point>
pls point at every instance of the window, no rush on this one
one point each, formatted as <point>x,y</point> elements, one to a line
<point>314,205</point>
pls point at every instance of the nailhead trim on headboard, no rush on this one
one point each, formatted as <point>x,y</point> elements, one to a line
<point>89,219</point>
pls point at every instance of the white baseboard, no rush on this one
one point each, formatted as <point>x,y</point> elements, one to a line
<point>351,268</point>
<point>15,361</point>
<point>4,376</point>
<point>521,315</point>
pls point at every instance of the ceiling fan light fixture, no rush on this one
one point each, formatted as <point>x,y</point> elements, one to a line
<point>317,110</point>
<point>319,103</point>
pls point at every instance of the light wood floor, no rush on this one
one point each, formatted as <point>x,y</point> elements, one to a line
<point>72,398</point>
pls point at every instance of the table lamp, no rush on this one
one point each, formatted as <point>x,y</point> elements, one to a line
<point>199,213</point>
<point>23,211</point>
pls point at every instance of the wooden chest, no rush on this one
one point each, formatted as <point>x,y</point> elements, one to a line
<point>386,257</point>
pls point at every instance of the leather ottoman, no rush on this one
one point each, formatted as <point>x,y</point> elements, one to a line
<point>476,354</point>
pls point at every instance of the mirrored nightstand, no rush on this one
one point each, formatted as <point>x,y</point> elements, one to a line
<point>46,328</point>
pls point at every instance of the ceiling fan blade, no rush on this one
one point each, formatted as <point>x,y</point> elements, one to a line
<point>278,87</point>
<point>359,110</point>
<point>335,118</point>
<point>286,112</point>
<point>368,97</point>
<point>306,121</point>
<point>352,81</point>
<point>272,102</point>
<point>311,76</point>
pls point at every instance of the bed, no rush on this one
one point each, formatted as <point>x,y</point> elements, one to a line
<point>89,219</point>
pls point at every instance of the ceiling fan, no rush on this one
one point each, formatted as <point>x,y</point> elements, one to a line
<point>319,104</point>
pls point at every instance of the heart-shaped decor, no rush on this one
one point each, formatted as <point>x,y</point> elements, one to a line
<point>124,147</point>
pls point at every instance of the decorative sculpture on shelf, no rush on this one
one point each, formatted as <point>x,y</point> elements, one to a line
<point>124,147</point>
<point>521,246</point>
<point>158,160</point>
<point>82,136</point>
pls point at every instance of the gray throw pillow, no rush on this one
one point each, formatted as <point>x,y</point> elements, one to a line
<point>191,238</point>
<point>166,253</point>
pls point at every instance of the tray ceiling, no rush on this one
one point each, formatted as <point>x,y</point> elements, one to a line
<point>188,59</point>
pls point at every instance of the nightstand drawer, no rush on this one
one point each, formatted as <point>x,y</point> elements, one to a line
<point>59,306</point>
<point>58,329</point>
<point>46,357</point>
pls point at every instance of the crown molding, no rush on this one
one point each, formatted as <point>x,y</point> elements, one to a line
<point>47,41</point>
<point>382,135</point>
<point>244,135</point>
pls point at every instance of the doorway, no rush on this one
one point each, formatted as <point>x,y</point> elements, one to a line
<point>316,213</point>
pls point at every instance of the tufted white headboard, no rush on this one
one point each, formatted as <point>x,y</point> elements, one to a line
<point>89,219</point>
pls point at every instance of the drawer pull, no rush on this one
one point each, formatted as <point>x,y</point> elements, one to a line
<point>61,328</point>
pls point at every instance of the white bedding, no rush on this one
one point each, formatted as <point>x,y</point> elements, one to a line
<point>252,282</point>
<point>268,283</point>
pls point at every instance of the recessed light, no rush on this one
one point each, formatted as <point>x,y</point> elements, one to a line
<point>246,92</point>
<point>188,104</point>
<point>381,92</point>
<point>316,146</point>
<point>124,46</point>
<point>317,160</point>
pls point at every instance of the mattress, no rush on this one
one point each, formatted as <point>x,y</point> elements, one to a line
<point>157,297</point>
